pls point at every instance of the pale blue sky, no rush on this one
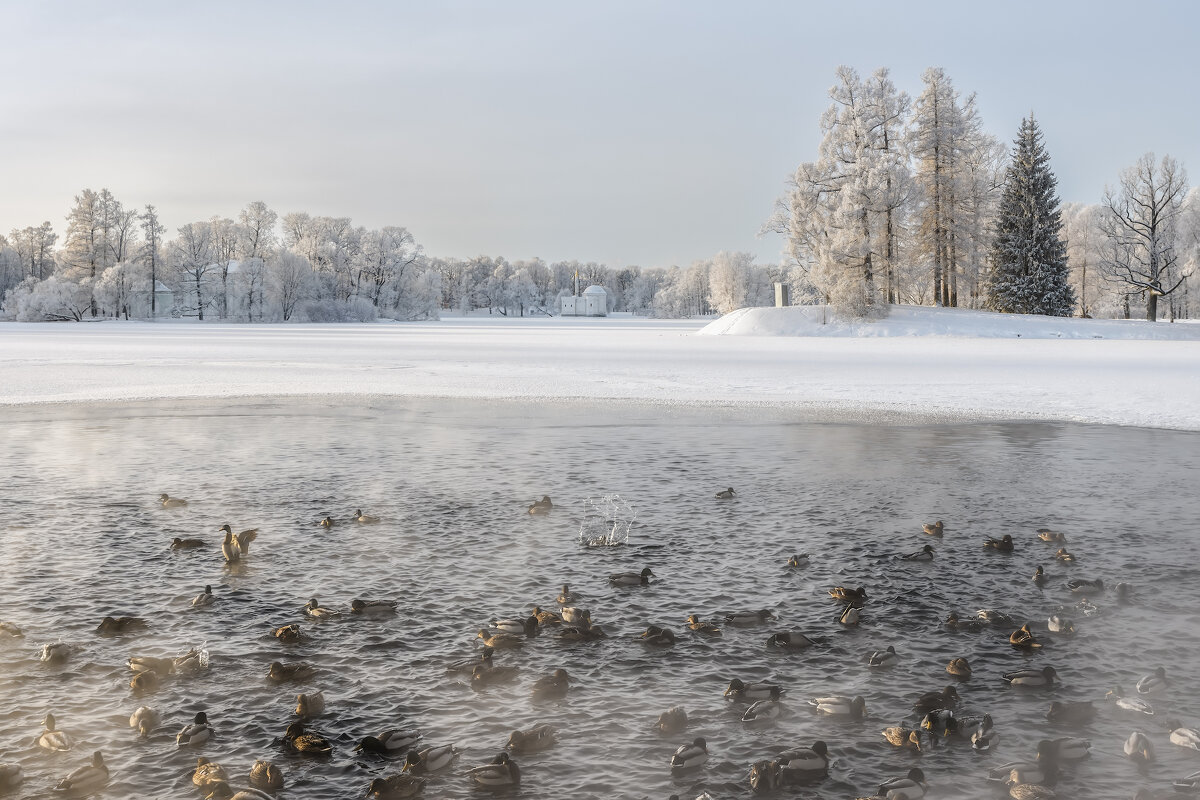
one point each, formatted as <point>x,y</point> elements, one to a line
<point>643,133</point>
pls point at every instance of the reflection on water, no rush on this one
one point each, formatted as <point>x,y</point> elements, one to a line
<point>84,538</point>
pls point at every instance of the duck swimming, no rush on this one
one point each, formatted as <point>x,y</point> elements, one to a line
<point>391,742</point>
<point>468,665</point>
<point>310,704</point>
<point>1031,677</point>
<point>631,578</point>
<point>87,778</point>
<point>187,544</point>
<point>296,738</point>
<point>726,494</point>
<point>299,671</point>
<point>240,540</point>
<point>373,608</point>
<point>53,739</point>
<point>1067,712</point>
<point>431,759</point>
<point>933,528</point>
<point>1023,638</point>
<point>1063,555</point>
<point>696,626</point>
<point>1135,704</point>
<point>671,721</point>
<point>789,640</point>
<point>1078,585</point>
<point>1139,747</point>
<point>566,596</point>
<point>924,554</point>
<point>900,736</point>
<point>659,637</point>
<point>911,787</point>
<point>196,733</point>
<point>484,677</point>
<point>749,692</point>
<point>205,598</point>
<point>847,595</point>
<point>883,658</point>
<point>208,774</point>
<point>576,616</point>
<point>840,706</point>
<point>534,740</point>
<point>763,711</point>
<point>1184,737</point>
<point>145,719</point>
<point>850,615</point>
<point>316,611</point>
<point>798,560</point>
<point>327,522</point>
<point>500,641</point>
<point>743,619</point>
<point>395,787</point>
<point>543,506</point>
<point>230,550</point>
<point>171,502</point>
<point>1003,544</point>
<point>527,626</point>
<point>1047,535</point>
<point>1039,576</point>
<point>551,687</point>
<point>690,756</point>
<point>946,698</point>
<point>364,519</point>
<point>546,617</point>
<point>959,667</point>
<point>288,634</point>
<point>1154,683</point>
<point>56,653</point>
<point>501,773</point>
<point>266,776</point>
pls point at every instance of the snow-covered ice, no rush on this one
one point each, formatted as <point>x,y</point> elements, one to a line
<point>932,363</point>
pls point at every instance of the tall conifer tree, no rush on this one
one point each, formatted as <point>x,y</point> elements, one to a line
<point>1029,273</point>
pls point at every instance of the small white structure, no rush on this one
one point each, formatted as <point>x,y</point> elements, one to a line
<point>592,303</point>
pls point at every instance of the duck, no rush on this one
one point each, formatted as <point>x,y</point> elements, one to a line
<point>901,736</point>
<point>1043,769</point>
<point>658,637</point>
<point>954,621</point>
<point>1057,623</point>
<point>671,721</point>
<point>484,677</point>
<point>500,640</point>
<point>762,711</point>
<point>288,634</point>
<point>11,777</point>
<point>994,617</point>
<point>726,494</point>
<point>1190,784</point>
<point>198,732</point>
<point>395,787</point>
<point>543,506</point>
<point>743,619</point>
<point>959,667</point>
<point>86,778</point>
<point>749,692</point>
<point>1030,791</point>
<point>230,550</point>
<point>1047,535</point>
<point>551,687</point>
<point>1135,704</point>
<point>946,698</point>
<point>765,777</point>
<point>145,719</point>
<point>840,706</point>
<point>146,681</point>
<point>1068,712</point>
<point>364,519</point>
<point>296,738</point>
<point>1080,585</point>
<point>544,617</point>
<point>1031,677</point>
<point>310,704</point>
<point>373,608</point>
<point>53,739</point>
<point>933,528</point>
<point>187,544</point>
<point>911,787</point>
<point>468,665</point>
<point>789,640</point>
<point>576,616</point>
<point>266,776</point>
<point>1184,737</point>
<point>431,759</point>
<point>391,742</point>
<point>581,633</point>
<point>327,522</point>
<point>166,501</point>
<point>1139,747</point>
<point>162,666</point>
<point>317,611</point>
<point>56,652</point>
<point>798,560</point>
<point>566,596</point>
<point>298,671</point>
<point>707,628</point>
<point>924,554</point>
<point>534,740</point>
<point>850,615</point>
<point>690,756</point>
<point>9,630</point>
<point>1064,556</point>
<point>883,658</point>
<point>1003,544</point>
<point>205,598</point>
<point>1068,748</point>
<point>208,773</point>
<point>502,772</point>
<point>1023,639</point>
<point>527,626</point>
<point>1040,577</point>
<point>240,540</point>
<point>847,595</point>
<point>940,721</point>
<point>1154,683</point>
<point>631,578</point>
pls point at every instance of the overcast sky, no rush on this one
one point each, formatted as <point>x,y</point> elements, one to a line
<point>648,133</point>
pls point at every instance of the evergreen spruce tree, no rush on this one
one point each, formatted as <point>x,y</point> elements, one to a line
<point>1029,273</point>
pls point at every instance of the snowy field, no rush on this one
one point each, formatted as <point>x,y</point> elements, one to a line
<point>935,364</point>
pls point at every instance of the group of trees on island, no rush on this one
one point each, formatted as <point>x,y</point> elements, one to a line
<point>907,202</point>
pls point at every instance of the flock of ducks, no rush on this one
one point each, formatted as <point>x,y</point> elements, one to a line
<point>937,715</point>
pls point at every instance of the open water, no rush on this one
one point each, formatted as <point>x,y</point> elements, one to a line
<point>82,536</point>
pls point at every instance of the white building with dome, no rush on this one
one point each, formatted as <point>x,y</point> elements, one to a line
<point>592,303</point>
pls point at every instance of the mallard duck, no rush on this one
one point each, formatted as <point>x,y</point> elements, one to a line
<point>1047,535</point>
<point>543,506</point>
<point>933,528</point>
<point>230,550</point>
<point>911,787</point>
<point>690,756</point>
<point>1031,677</point>
<point>431,759</point>
<point>1057,623</point>
<point>288,634</point>
<point>798,560</point>
<point>789,640</point>
<point>468,665</point>
<point>167,501</point>
<point>146,681</point>
<point>946,698</point>
<point>87,778</point>
<point>1067,748</point>
<point>364,519</point>
<point>551,687</point>
<point>1135,704</point>
<point>900,736</point>
<point>317,611</point>
<point>1023,639</point>
<point>1081,585</point>
<point>581,633</point>
<point>744,619</point>
<point>266,776</point>
<point>1003,544</point>
<point>765,777</point>
<point>191,661</point>
<point>1040,577</point>
<point>847,595</point>
<point>546,617</point>
<point>883,658</point>
<point>198,732</point>
<point>1153,683</point>
<point>536,739</point>
<point>241,540</point>
<point>527,626</point>
<point>163,666</point>
<point>392,742</point>
<point>205,598</point>
<point>11,777</point>
<point>52,738</point>
<point>959,667</point>
<point>994,617</point>
<point>310,704</point>
<point>672,721</point>
<point>483,677</point>
<point>658,637</point>
<point>1189,784</point>
<point>940,721</point>
<point>1184,737</point>
<point>208,773</point>
<point>697,626</point>
<point>501,773</point>
<point>1068,712</point>
<point>726,494</point>
<point>566,596</point>
<point>327,522</point>
<point>631,578</point>
<point>187,544</point>
<point>763,711</point>
<point>955,622</point>
<point>373,608</point>
<point>299,671</point>
<point>145,719</point>
<point>395,787</point>
<point>500,641</point>
<point>924,554</point>
<point>1139,747</point>
<point>850,615</point>
<point>749,692</point>
<point>301,741</point>
<point>56,652</point>
<point>840,706</point>
<point>1030,791</point>
<point>1063,555</point>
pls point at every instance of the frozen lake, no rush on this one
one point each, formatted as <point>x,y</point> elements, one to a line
<point>450,479</point>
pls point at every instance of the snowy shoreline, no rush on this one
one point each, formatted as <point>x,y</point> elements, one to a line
<point>941,378</point>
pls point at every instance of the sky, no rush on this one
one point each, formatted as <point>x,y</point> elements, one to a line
<point>629,133</point>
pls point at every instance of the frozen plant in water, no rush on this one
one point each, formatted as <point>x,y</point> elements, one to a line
<point>608,522</point>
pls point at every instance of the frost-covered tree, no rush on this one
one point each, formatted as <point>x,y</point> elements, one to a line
<point>193,259</point>
<point>1141,221</point>
<point>35,248</point>
<point>258,231</point>
<point>116,290</point>
<point>1081,223</point>
<point>55,299</point>
<point>289,278</point>
<point>1029,272</point>
<point>151,252</point>
<point>728,277</point>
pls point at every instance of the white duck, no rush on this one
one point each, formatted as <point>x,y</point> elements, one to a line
<point>53,739</point>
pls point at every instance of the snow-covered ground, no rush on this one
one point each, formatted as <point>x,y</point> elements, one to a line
<point>966,366</point>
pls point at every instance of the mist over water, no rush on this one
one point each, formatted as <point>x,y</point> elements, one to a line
<point>84,537</point>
